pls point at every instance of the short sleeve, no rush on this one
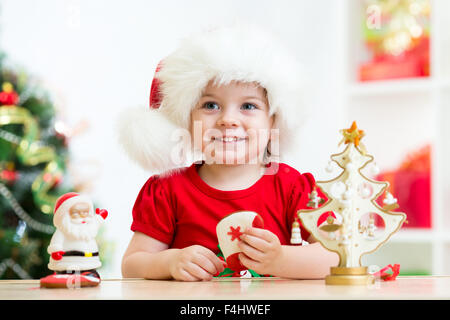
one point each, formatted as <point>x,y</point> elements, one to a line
<point>299,197</point>
<point>153,214</point>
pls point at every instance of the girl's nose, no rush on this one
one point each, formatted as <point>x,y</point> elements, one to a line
<point>228,119</point>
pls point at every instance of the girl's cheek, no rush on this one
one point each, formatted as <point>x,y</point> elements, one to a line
<point>197,140</point>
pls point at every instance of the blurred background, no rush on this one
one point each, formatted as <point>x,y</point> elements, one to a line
<point>75,64</point>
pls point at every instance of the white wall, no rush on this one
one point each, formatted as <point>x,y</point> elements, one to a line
<point>98,57</point>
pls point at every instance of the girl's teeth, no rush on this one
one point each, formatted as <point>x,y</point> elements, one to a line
<point>229,139</point>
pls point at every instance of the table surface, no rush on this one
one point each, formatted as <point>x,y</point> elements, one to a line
<point>423,288</point>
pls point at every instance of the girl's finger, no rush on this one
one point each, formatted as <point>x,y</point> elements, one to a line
<point>261,233</point>
<point>186,276</point>
<point>198,272</point>
<point>251,252</point>
<point>219,264</point>
<point>205,263</point>
<point>256,242</point>
<point>248,263</point>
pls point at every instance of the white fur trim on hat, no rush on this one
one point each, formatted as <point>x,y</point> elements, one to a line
<point>232,53</point>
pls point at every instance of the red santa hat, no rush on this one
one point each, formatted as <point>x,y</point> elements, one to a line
<point>66,201</point>
<point>236,52</point>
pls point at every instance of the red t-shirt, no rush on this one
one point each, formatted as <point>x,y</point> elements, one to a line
<point>181,210</point>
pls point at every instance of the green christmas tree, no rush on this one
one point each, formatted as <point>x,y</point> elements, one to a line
<point>33,161</point>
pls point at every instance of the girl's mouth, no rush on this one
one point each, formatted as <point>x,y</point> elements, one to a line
<point>229,139</point>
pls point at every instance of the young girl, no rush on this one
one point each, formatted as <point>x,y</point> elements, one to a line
<point>237,93</point>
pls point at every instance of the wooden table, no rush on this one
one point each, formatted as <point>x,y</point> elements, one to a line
<point>403,288</point>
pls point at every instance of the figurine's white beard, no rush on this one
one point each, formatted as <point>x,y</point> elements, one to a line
<point>85,231</point>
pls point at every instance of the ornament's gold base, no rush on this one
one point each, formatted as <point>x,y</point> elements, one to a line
<point>349,276</point>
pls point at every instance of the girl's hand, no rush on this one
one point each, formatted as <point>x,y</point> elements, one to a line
<point>261,250</point>
<point>195,263</point>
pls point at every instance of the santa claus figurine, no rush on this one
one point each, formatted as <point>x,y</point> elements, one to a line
<point>73,250</point>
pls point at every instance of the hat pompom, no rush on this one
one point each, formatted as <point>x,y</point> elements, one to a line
<point>149,138</point>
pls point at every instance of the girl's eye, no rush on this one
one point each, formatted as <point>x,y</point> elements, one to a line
<point>210,106</point>
<point>248,106</point>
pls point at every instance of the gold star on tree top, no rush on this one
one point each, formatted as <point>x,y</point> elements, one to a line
<point>352,135</point>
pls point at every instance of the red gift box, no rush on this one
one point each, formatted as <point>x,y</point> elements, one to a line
<point>410,64</point>
<point>411,185</point>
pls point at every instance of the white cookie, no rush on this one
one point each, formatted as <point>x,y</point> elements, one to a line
<point>229,230</point>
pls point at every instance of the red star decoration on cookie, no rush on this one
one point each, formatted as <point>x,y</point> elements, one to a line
<point>235,233</point>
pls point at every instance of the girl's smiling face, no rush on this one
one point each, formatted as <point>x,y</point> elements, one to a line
<point>231,124</point>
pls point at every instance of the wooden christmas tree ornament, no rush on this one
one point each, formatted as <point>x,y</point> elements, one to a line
<point>350,229</point>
